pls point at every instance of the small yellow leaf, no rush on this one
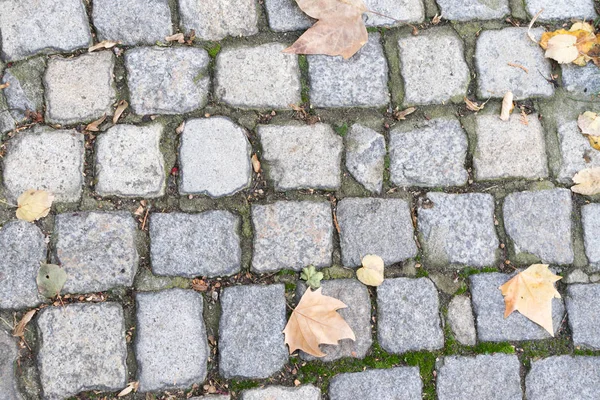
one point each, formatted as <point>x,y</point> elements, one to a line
<point>587,182</point>
<point>589,123</point>
<point>34,204</point>
<point>371,273</point>
<point>507,106</point>
<point>562,48</point>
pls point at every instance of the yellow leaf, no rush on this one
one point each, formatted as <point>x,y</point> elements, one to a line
<point>587,182</point>
<point>562,48</point>
<point>531,292</point>
<point>507,106</point>
<point>589,123</point>
<point>371,273</point>
<point>585,43</point>
<point>34,204</point>
<point>594,141</point>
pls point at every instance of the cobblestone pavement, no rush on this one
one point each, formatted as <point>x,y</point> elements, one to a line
<point>183,253</point>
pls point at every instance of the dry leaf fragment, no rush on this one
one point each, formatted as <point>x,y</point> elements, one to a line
<point>34,204</point>
<point>95,126</point>
<point>587,182</point>
<point>180,128</point>
<point>105,44</point>
<point>4,85</point>
<point>507,106</point>
<point>255,163</point>
<point>314,322</point>
<point>523,118</point>
<point>436,19</point>
<point>121,107</point>
<point>518,66</point>
<point>589,123</point>
<point>401,115</point>
<point>594,141</point>
<point>178,37</point>
<point>371,273</point>
<point>535,17</point>
<point>473,106</point>
<point>562,48</point>
<point>19,330</point>
<point>131,387</point>
<point>531,292</point>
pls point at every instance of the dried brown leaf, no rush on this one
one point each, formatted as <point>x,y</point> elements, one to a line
<point>255,163</point>
<point>178,37</point>
<point>507,106</point>
<point>19,330</point>
<point>121,107</point>
<point>473,106</point>
<point>105,44</point>
<point>436,19</point>
<point>95,126</point>
<point>401,115</point>
<point>180,128</point>
<point>131,387</point>
<point>4,85</point>
<point>587,182</point>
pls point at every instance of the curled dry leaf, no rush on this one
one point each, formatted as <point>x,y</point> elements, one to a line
<point>95,126</point>
<point>34,204</point>
<point>105,44</point>
<point>535,17</point>
<point>371,273</point>
<point>255,163</point>
<point>19,330</point>
<point>436,19</point>
<point>401,115</point>
<point>507,106</point>
<point>587,182</point>
<point>121,107</point>
<point>4,85</point>
<point>589,123</point>
<point>180,128</point>
<point>50,279</point>
<point>131,387</point>
<point>473,106</point>
<point>178,37</point>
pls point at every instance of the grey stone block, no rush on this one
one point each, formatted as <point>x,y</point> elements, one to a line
<point>510,149</point>
<point>590,215</point>
<point>431,155</point>
<point>191,245</point>
<point>496,49</point>
<point>466,10</point>
<point>433,67</point>
<point>45,159</point>
<point>250,331</point>
<point>214,156</point>
<point>403,11</point>
<point>214,20</point>
<point>26,90</point>
<point>461,320</point>
<point>7,123</point>
<point>285,15</point>
<point>490,377</point>
<point>257,77</point>
<point>132,22</point>
<point>488,304</point>
<point>459,229</point>
<point>360,81</point>
<point>97,250</point>
<point>576,276</point>
<point>564,377</point>
<point>31,26</point>
<point>171,80</point>
<point>305,392</point>
<point>79,89</point>
<point>408,317</point>
<point>375,226</point>
<point>539,223</point>
<point>8,360</point>
<point>82,348</point>
<point>302,157</point>
<point>129,162</point>
<point>379,384</point>
<point>365,157</point>
<point>581,80</point>
<point>575,149</point>
<point>170,332</point>
<point>562,9</point>
<point>583,308</point>
<point>292,235</point>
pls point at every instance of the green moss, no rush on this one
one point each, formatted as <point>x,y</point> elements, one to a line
<point>290,287</point>
<point>213,49</point>
<point>342,130</point>
<point>462,290</point>
<point>303,65</point>
<point>590,353</point>
<point>468,271</point>
<point>426,363</point>
<point>491,347</point>
<point>422,273</point>
<point>287,272</point>
<point>237,386</point>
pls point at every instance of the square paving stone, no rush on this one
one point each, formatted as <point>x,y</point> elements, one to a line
<point>8,360</point>
<point>433,67</point>
<point>562,9</point>
<point>97,250</point>
<point>581,80</point>
<point>250,331</point>
<point>488,304</point>
<point>540,223</point>
<point>132,21</point>
<point>375,226</point>
<point>302,157</point>
<point>170,332</point>
<point>258,77</point>
<point>45,159</point>
<point>466,10</point>
<point>214,156</point>
<point>458,229</point>
<point>129,162</point>
<point>292,235</point>
<point>360,81</point>
<point>431,155</point>
<point>489,377</point>
<point>408,316</point>
<point>305,392</point>
<point>496,49</point>
<point>190,245</point>
<point>32,26</point>
<point>510,149</point>
<point>583,308</point>
<point>79,89</point>
<point>285,15</point>
<point>26,90</point>
<point>365,157</point>
<point>82,348</point>
<point>590,215</point>
<point>379,384</point>
<point>564,377</point>
<point>167,80</point>
<point>575,150</point>
<point>216,19</point>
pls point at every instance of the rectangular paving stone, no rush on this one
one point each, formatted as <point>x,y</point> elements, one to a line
<point>564,377</point>
<point>82,348</point>
<point>8,360</point>
<point>97,250</point>
<point>466,10</point>
<point>216,19</point>
<point>488,304</point>
<point>26,90</point>
<point>590,216</point>
<point>461,320</point>
<point>408,316</point>
<point>170,332</point>
<point>305,392</point>
<point>292,235</point>
<point>490,377</point>
<point>190,245</point>
<point>583,81</point>
<point>250,339</point>
<point>583,308</point>
<point>378,384</point>
<point>575,150</point>
<point>403,11</point>
<point>375,226</point>
<point>562,9</point>
<point>285,15</point>
<point>365,156</point>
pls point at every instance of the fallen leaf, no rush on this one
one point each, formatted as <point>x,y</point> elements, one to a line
<point>589,123</point>
<point>121,107</point>
<point>401,115</point>
<point>105,44</point>
<point>436,19</point>
<point>131,387</point>
<point>312,277</point>
<point>50,279</point>
<point>178,37</point>
<point>314,322</point>
<point>19,330</point>
<point>199,285</point>
<point>562,48</point>
<point>583,48</point>
<point>4,85</point>
<point>95,126</point>
<point>535,17</point>
<point>371,273</point>
<point>594,141</point>
<point>34,204</point>
<point>531,292</point>
<point>180,128</point>
<point>473,106</point>
<point>255,163</point>
<point>507,106</point>
<point>587,182</point>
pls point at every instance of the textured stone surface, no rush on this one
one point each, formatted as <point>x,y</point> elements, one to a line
<point>375,226</point>
<point>583,308</point>
<point>562,9</point>
<point>466,10</point>
<point>459,229</point>
<point>576,276</point>
<point>461,320</point>
<point>379,384</point>
<point>490,377</point>
<point>581,80</point>
<point>564,377</point>
<point>285,15</point>
<point>214,156</point>
<point>7,123</point>
<point>167,80</point>
<point>575,149</point>
<point>212,397</point>
<point>291,235</point>
<point>8,359</point>
<point>97,250</point>
<point>433,67</point>
<point>31,26</point>
<point>488,304</point>
<point>539,223</point>
<point>170,332</point>
<point>360,81</point>
<point>191,245</point>
<point>46,159</point>
<point>432,154</point>
<point>306,392</point>
<point>79,89</point>
<point>82,348</point>
<point>26,90</point>
<point>365,156</point>
<point>129,162</point>
<point>214,20</point>
<point>495,49</point>
<point>132,21</point>
<point>251,342</point>
<point>590,215</point>
<point>258,77</point>
<point>300,157</point>
<point>408,317</point>
<point>510,149</point>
